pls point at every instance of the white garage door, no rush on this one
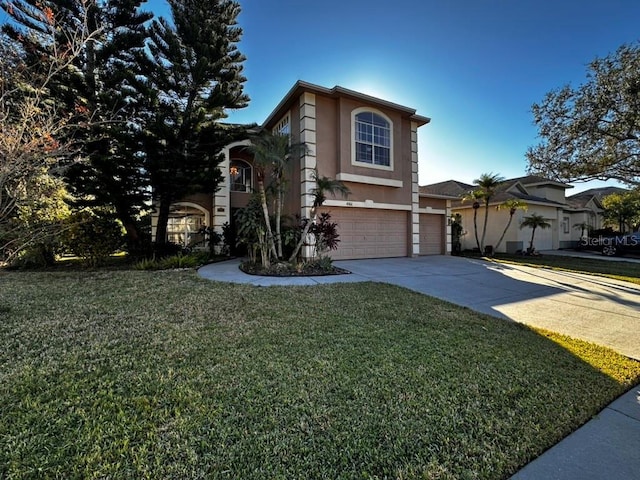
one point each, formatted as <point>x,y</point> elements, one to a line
<point>368,233</point>
<point>431,234</point>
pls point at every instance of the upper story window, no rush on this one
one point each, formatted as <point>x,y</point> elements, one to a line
<point>240,175</point>
<point>372,143</point>
<point>283,127</point>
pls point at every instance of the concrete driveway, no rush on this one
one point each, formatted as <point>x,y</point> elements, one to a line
<point>600,310</point>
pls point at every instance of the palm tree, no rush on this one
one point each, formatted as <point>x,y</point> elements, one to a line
<point>534,221</point>
<point>487,186</point>
<point>474,196</point>
<point>271,154</point>
<point>324,186</point>
<point>513,205</point>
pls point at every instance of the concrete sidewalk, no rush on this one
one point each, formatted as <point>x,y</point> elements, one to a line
<point>596,309</point>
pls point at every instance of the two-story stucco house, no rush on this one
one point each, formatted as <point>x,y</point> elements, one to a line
<point>369,144</point>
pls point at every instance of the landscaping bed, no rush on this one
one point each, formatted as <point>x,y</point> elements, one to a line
<point>287,269</point>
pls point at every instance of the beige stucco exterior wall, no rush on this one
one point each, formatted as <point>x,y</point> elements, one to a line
<point>334,154</point>
<point>369,187</point>
<point>555,194</point>
<point>498,220</point>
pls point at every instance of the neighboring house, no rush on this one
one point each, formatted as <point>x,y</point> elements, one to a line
<point>588,207</point>
<point>369,144</point>
<point>543,196</point>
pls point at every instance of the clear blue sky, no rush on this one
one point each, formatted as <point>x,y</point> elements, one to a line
<point>474,66</point>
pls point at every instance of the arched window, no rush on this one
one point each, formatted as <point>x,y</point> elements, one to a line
<point>372,142</point>
<point>240,176</point>
<point>185,223</point>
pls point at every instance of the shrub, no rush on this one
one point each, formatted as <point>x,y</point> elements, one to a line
<point>93,236</point>
<point>191,260</point>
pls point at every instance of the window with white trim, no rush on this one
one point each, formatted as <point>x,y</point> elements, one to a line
<point>240,175</point>
<point>372,139</point>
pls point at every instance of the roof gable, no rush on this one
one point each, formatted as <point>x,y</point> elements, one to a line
<point>300,87</point>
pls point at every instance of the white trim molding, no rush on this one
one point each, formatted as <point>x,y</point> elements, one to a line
<point>221,203</point>
<point>366,204</point>
<point>385,182</point>
<point>415,192</point>
<point>432,211</point>
<point>308,160</point>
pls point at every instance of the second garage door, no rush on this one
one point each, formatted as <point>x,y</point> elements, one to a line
<point>431,234</point>
<point>369,233</point>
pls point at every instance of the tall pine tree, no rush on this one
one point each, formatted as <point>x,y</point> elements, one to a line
<point>192,75</point>
<point>114,176</point>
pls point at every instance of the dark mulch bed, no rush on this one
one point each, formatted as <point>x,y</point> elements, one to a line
<point>284,269</point>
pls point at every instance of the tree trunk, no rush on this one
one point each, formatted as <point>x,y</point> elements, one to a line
<point>484,226</point>
<point>130,226</point>
<point>278,219</point>
<point>504,232</point>
<point>305,232</point>
<point>163,219</point>
<point>265,211</point>
<point>475,228</point>
<point>531,242</point>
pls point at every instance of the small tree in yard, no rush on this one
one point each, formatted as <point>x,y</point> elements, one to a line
<point>252,232</point>
<point>474,197</point>
<point>534,221</point>
<point>93,236</point>
<point>623,210</point>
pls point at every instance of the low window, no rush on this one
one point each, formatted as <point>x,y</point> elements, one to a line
<point>240,176</point>
<point>184,226</point>
<point>372,139</point>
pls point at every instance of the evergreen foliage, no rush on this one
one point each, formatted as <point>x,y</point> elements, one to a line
<point>192,74</point>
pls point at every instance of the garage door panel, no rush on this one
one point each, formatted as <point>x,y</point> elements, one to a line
<point>431,234</point>
<point>543,239</point>
<point>370,233</point>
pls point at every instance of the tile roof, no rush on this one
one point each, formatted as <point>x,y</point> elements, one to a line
<point>505,190</point>
<point>449,188</point>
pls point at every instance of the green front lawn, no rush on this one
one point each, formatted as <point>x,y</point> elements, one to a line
<point>626,271</point>
<point>132,374</point>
